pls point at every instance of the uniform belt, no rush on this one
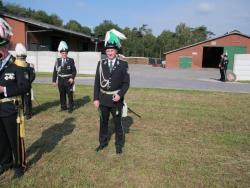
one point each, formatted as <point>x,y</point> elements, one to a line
<point>110,92</point>
<point>64,75</point>
<point>9,99</point>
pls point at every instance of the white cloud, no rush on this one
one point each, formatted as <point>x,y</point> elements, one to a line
<point>80,4</point>
<point>205,7</point>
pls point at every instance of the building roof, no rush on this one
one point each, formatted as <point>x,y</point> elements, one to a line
<point>234,32</point>
<point>45,25</point>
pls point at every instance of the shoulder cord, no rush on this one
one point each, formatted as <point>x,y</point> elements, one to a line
<point>103,82</point>
<point>58,68</point>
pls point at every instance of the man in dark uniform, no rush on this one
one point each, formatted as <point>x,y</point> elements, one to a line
<point>21,53</point>
<point>223,67</point>
<point>64,73</point>
<point>111,84</point>
<point>14,82</point>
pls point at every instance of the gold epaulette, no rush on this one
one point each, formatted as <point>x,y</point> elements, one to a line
<point>20,63</point>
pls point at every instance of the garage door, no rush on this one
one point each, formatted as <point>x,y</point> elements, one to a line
<point>185,62</point>
<point>232,50</point>
<point>242,66</point>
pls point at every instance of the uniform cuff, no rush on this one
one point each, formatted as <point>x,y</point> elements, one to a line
<point>4,91</point>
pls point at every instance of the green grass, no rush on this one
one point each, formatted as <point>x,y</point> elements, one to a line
<point>49,74</point>
<point>184,139</point>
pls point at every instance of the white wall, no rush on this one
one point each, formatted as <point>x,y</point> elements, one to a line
<point>242,66</point>
<point>44,61</point>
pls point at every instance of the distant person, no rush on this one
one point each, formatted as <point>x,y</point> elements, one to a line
<point>111,84</point>
<point>226,61</point>
<point>223,67</point>
<point>21,54</point>
<point>64,74</point>
<point>14,82</point>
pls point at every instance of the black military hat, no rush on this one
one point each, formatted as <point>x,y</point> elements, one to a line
<point>111,46</point>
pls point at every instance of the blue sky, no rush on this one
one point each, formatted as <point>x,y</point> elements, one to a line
<point>219,16</point>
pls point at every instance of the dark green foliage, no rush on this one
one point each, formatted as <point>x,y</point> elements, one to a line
<point>75,26</point>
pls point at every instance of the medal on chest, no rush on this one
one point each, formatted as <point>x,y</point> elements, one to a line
<point>9,76</point>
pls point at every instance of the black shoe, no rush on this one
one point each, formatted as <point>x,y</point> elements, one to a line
<point>70,110</point>
<point>3,169</point>
<point>28,117</point>
<point>100,147</point>
<point>119,150</point>
<point>19,172</point>
<point>63,109</point>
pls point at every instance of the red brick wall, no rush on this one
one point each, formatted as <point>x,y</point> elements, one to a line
<point>18,29</point>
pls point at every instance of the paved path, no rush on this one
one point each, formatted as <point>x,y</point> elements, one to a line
<point>145,76</point>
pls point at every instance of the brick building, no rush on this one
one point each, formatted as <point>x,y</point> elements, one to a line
<point>206,54</point>
<point>38,36</point>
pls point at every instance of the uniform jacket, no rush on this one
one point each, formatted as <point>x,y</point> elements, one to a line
<point>67,68</point>
<point>16,80</point>
<point>223,63</point>
<point>118,80</point>
<point>31,71</point>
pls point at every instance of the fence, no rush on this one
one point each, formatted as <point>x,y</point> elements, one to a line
<point>44,61</point>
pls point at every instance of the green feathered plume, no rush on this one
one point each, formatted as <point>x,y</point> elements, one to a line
<point>113,37</point>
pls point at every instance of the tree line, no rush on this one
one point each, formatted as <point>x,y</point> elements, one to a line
<point>140,41</point>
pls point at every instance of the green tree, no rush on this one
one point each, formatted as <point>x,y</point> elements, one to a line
<point>41,16</point>
<point>105,26</point>
<point>36,15</point>
<point>167,41</point>
<point>128,43</point>
<point>55,20</point>
<point>200,34</point>
<point>149,42</point>
<point>140,42</point>
<point>183,34</point>
<point>15,10</point>
<point>144,30</point>
<point>73,25</point>
<point>86,30</point>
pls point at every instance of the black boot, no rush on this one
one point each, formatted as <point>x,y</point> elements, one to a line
<point>100,147</point>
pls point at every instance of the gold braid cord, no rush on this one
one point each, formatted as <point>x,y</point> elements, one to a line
<point>20,118</point>
<point>21,63</point>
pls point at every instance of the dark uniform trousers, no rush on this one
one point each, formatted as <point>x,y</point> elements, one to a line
<point>27,96</point>
<point>65,88</point>
<point>63,72</point>
<point>223,70</point>
<point>119,81</point>
<point>12,150</point>
<point>119,132</point>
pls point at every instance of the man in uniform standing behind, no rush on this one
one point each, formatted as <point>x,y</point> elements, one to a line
<point>64,73</point>
<point>223,67</point>
<point>14,82</point>
<point>111,84</point>
<point>21,53</point>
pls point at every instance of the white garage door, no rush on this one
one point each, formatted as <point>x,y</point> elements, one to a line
<point>242,66</point>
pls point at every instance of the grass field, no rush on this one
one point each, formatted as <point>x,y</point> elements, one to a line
<point>184,139</point>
